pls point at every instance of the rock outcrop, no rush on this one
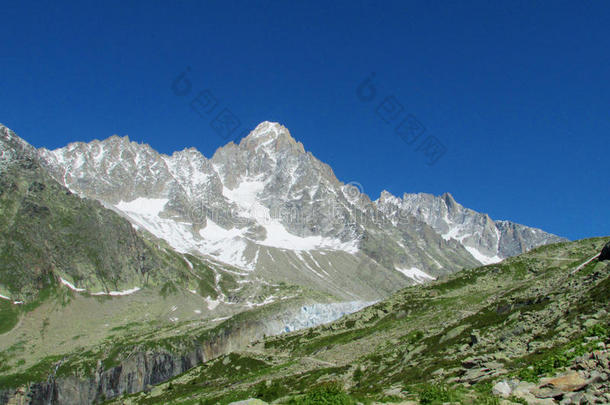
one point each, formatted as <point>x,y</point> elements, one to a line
<point>137,373</point>
<point>605,254</point>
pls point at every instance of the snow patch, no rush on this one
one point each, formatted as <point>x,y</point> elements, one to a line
<point>70,285</point>
<point>484,259</point>
<point>267,300</point>
<point>245,195</point>
<point>212,304</point>
<point>144,206</point>
<point>277,236</point>
<point>118,293</point>
<point>416,274</point>
<point>226,245</point>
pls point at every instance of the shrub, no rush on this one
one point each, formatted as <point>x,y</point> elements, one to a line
<point>330,393</point>
<point>270,392</point>
<point>435,394</point>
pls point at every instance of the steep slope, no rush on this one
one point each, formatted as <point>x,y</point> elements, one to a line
<point>51,237</point>
<point>48,236</point>
<point>487,240</point>
<point>515,324</point>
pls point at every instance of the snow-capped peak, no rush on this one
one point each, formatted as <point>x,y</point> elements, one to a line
<point>266,205</point>
<point>266,128</point>
<point>388,198</point>
<point>271,136</point>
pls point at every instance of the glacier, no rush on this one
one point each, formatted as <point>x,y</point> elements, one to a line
<point>319,314</point>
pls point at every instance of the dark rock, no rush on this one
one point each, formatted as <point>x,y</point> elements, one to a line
<point>470,362</point>
<point>605,254</point>
<point>474,338</point>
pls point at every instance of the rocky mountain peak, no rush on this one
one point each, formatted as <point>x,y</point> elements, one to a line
<point>9,140</point>
<point>13,148</point>
<point>388,198</point>
<point>272,137</point>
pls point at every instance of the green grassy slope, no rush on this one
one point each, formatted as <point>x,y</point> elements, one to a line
<point>521,317</point>
<point>46,232</point>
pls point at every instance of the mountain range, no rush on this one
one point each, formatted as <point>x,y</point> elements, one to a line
<point>267,206</point>
<point>122,267</point>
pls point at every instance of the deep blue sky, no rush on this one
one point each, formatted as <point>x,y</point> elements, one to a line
<point>518,92</point>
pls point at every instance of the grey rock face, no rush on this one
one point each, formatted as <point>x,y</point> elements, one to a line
<point>487,240</point>
<point>138,372</point>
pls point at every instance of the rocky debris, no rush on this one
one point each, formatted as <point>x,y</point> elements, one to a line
<point>586,382</point>
<point>395,392</point>
<point>476,369</point>
<point>605,254</point>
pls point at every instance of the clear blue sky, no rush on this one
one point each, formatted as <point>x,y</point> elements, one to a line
<point>518,92</point>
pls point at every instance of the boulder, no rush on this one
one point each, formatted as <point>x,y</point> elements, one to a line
<point>547,392</point>
<point>568,382</point>
<point>502,388</point>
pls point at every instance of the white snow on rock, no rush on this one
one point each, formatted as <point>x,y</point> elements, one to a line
<point>483,258</point>
<point>221,243</point>
<point>147,207</point>
<point>212,304</point>
<point>245,197</point>
<point>266,301</point>
<point>113,293</point>
<point>226,245</point>
<point>279,237</point>
<point>118,293</point>
<point>416,274</point>
<point>145,213</point>
<point>70,285</point>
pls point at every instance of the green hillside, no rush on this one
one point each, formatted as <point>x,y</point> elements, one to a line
<point>524,319</point>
